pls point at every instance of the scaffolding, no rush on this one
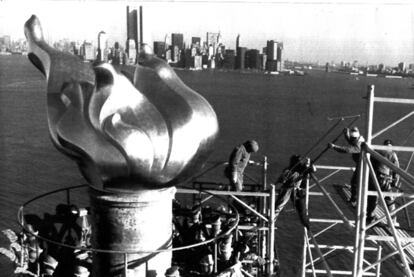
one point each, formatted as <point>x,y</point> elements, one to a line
<point>398,242</point>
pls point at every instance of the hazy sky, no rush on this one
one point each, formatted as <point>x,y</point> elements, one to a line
<point>367,31</point>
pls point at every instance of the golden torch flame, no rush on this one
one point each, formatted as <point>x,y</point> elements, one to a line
<point>155,132</point>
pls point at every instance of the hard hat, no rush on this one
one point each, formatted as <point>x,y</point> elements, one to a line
<point>81,271</point>
<point>354,132</point>
<point>252,145</point>
<point>50,262</point>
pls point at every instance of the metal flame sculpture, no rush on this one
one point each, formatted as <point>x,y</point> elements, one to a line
<point>153,133</point>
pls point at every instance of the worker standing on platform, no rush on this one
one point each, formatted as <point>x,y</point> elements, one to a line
<point>239,159</point>
<point>293,186</point>
<point>387,179</point>
<point>355,140</point>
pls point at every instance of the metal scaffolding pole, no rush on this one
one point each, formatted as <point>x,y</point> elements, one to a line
<point>271,240</point>
<point>362,193</point>
<point>305,234</point>
<point>389,219</point>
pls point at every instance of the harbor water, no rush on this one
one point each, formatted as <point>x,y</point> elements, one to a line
<point>285,114</point>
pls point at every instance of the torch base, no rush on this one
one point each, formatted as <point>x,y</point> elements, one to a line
<point>140,221</point>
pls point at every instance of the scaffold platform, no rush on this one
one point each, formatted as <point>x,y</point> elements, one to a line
<point>381,233</point>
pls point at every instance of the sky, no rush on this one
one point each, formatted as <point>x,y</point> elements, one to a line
<point>370,32</point>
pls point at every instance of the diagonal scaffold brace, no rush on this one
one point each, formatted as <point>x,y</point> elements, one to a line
<point>355,117</point>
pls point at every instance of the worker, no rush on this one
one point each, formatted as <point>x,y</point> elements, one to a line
<point>292,186</point>
<point>387,180</point>
<point>355,140</point>
<point>239,159</point>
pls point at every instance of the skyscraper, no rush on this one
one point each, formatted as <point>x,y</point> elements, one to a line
<point>271,50</point>
<point>133,37</point>
<point>241,57</point>
<point>253,59</point>
<point>132,34</point>
<point>102,46</point>
<point>212,38</point>
<point>196,41</point>
<point>177,40</point>
<point>279,51</point>
<point>159,49</point>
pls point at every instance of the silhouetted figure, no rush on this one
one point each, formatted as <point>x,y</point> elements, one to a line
<point>387,179</point>
<point>239,158</point>
<point>355,140</point>
<point>294,187</point>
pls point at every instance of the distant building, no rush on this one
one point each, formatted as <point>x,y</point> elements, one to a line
<point>175,54</point>
<point>210,52</point>
<point>229,59</point>
<point>279,54</point>
<point>198,62</point>
<point>204,61</point>
<point>263,60</point>
<point>253,59</point>
<point>271,49</point>
<point>177,40</point>
<point>188,59</point>
<point>355,64</point>
<point>271,65</point>
<point>278,65</point>
<point>196,41</point>
<point>238,41</point>
<point>102,46</point>
<point>133,20</point>
<point>87,51</point>
<point>159,49</point>
<point>132,54</point>
<point>168,56</point>
<point>241,57</point>
<point>116,55</point>
<point>402,67</point>
<point>212,38</point>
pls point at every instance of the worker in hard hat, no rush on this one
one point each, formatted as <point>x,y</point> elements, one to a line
<point>238,160</point>
<point>387,180</point>
<point>355,140</point>
<point>292,187</point>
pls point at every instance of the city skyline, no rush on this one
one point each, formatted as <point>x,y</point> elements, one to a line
<point>367,32</point>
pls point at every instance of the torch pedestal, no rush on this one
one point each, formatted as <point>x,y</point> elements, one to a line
<point>141,221</point>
